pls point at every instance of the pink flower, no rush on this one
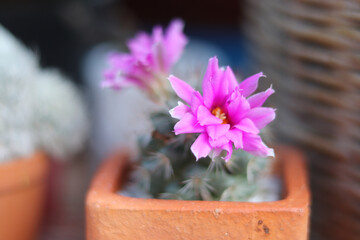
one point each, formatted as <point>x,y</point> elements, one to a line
<point>225,116</point>
<point>149,61</point>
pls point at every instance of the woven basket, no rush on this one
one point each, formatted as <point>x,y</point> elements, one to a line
<point>311,51</point>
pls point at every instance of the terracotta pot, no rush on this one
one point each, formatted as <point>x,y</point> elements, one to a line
<point>111,216</point>
<point>22,195</point>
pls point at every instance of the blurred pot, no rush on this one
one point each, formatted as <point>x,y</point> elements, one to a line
<point>22,196</point>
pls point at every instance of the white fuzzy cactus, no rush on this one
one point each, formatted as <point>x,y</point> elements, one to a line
<point>60,123</point>
<point>39,109</point>
<point>14,55</point>
<point>16,136</point>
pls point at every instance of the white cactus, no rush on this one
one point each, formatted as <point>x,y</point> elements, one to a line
<point>60,123</point>
<point>39,109</point>
<point>14,55</point>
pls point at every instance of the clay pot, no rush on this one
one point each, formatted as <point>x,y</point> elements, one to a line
<point>22,195</point>
<point>111,216</point>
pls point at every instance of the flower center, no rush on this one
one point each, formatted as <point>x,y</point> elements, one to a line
<point>218,112</point>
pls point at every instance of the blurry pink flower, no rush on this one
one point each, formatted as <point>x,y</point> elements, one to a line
<point>225,115</point>
<point>149,61</point>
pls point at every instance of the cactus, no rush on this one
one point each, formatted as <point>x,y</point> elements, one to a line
<point>184,160</point>
<point>167,169</point>
<point>39,109</point>
<point>16,135</point>
<point>60,123</point>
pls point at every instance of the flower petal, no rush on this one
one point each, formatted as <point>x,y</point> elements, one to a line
<point>220,86</point>
<point>236,136</point>
<point>250,84</point>
<point>254,145</point>
<point>174,42</point>
<point>140,44</point>
<point>179,111</point>
<point>157,57</point>
<point>217,131</point>
<point>196,101</point>
<point>157,34</point>
<point>206,118</point>
<point>258,100</point>
<point>229,149</point>
<point>231,79</point>
<point>216,143</point>
<point>211,75</point>
<point>247,125</point>
<point>237,108</point>
<point>261,116</point>
<point>113,79</point>
<point>201,147</point>
<point>188,124</point>
<point>181,88</point>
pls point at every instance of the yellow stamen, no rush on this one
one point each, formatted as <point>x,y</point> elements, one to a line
<point>217,112</point>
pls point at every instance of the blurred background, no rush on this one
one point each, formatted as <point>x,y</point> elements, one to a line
<point>309,49</point>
